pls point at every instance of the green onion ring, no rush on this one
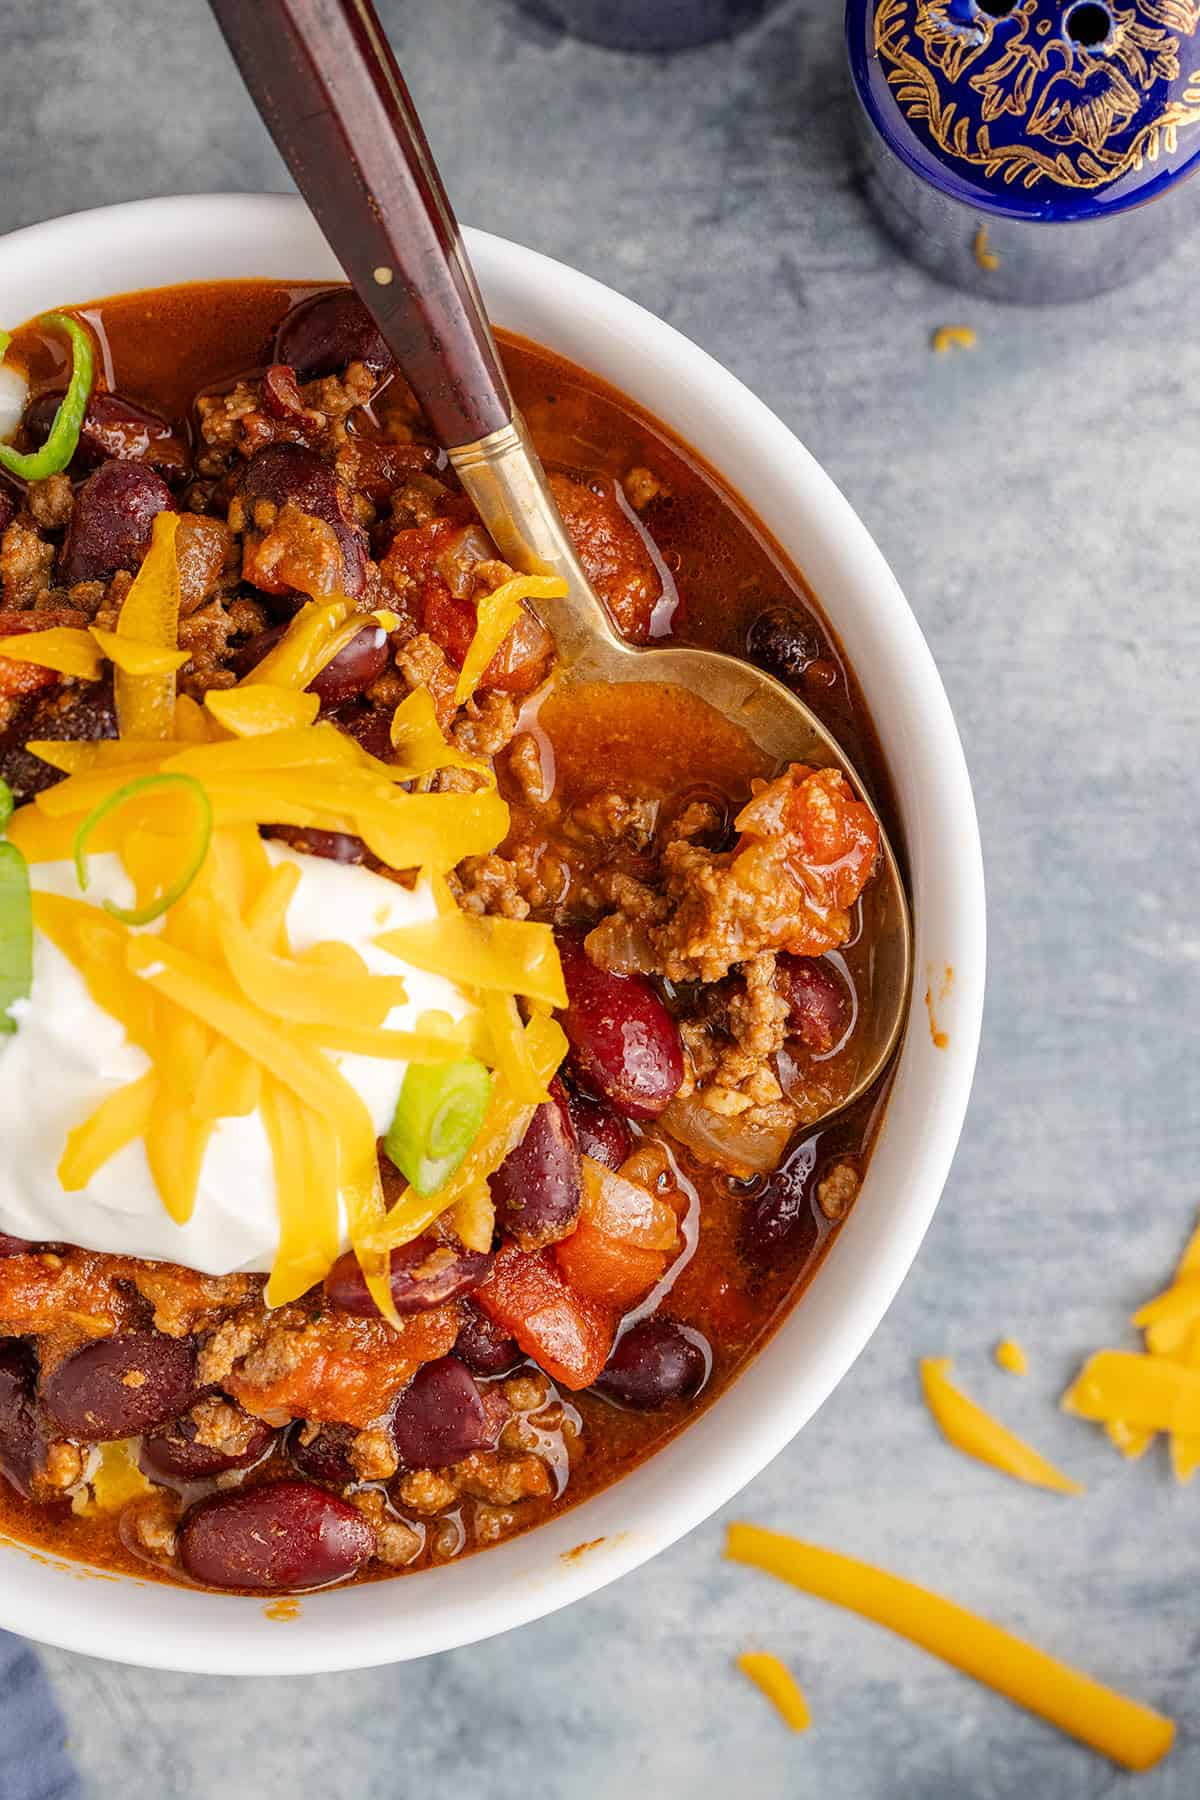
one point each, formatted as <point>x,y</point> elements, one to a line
<point>16,933</point>
<point>63,441</point>
<point>147,914</point>
<point>438,1117</point>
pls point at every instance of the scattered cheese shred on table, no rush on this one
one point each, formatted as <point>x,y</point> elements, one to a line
<point>1162,1387</point>
<point>1009,1355</point>
<point>1131,1734</point>
<point>973,1431</point>
<point>953,337</point>
<point>776,1681</point>
<point>985,256</point>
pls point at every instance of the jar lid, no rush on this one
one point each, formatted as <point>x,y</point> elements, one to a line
<point>1046,109</point>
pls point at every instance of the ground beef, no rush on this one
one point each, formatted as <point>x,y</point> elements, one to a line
<point>373,1454</point>
<point>332,1368</point>
<point>426,1491</point>
<point>613,818</point>
<point>149,1523</point>
<point>485,725</point>
<point>642,487</point>
<point>277,410</point>
<point>806,850</point>
<point>732,1066</point>
<point>502,1480</point>
<point>222,1426</point>
<point>423,663</point>
<point>26,565</point>
<point>185,1301</point>
<point>63,1467</point>
<point>838,1190</point>
<point>396,1543</point>
<point>51,502</point>
<point>488,884</point>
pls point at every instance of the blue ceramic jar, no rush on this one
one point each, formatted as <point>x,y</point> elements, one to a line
<point>1030,149</point>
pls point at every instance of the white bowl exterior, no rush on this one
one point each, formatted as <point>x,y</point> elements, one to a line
<point>156,242</point>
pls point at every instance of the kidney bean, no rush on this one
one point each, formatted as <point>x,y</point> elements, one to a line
<point>326,1457</point>
<point>353,669</point>
<point>780,1217</point>
<point>22,1431</point>
<point>278,1535</point>
<point>283,472</point>
<point>484,1346</point>
<point>325,333</point>
<point>110,526</point>
<point>370,726</point>
<point>120,1386</point>
<point>538,1187</point>
<point>783,642</point>
<point>603,1134</point>
<point>118,428</point>
<point>331,846</point>
<point>13,1246</point>
<point>656,1361</point>
<point>623,1040</point>
<point>818,1002</point>
<point>441,1417</point>
<point>424,1273</point>
<point>77,716</point>
<point>174,1455</point>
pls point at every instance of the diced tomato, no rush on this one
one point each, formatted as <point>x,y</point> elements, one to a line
<point>623,1242</point>
<point>607,1270</point>
<point>567,1334</point>
<point>449,622</point>
<point>415,552</point>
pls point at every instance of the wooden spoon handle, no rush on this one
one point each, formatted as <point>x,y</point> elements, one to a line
<point>325,81</point>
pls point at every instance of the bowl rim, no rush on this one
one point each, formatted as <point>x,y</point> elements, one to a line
<point>170,1627</point>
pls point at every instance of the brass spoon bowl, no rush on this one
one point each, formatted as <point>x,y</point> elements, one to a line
<point>324,78</point>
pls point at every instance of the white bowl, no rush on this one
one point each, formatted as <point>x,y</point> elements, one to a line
<point>155,242</point>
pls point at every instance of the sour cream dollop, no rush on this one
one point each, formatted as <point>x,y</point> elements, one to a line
<point>68,1054</point>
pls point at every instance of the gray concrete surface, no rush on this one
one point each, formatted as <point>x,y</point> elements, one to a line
<point>1037,500</point>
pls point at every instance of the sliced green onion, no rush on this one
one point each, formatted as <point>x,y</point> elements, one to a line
<point>16,933</point>
<point>156,908</point>
<point>437,1119</point>
<point>63,441</point>
<point>6,804</point>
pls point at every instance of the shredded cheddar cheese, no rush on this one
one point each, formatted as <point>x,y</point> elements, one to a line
<point>1009,1355</point>
<point>953,337</point>
<point>1159,1389</point>
<point>64,648</point>
<point>985,256</point>
<point>145,698</point>
<point>1130,1733</point>
<point>496,615</point>
<point>249,711</point>
<point>973,1431</point>
<point>774,1679</point>
<point>512,956</point>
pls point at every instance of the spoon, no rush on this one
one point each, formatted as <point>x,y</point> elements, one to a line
<point>326,83</point>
